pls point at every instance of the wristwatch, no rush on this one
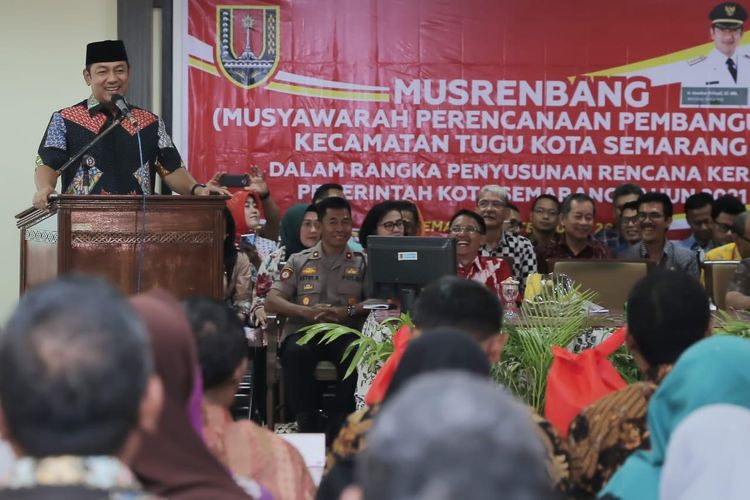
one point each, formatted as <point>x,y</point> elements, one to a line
<point>351,310</point>
<point>195,186</point>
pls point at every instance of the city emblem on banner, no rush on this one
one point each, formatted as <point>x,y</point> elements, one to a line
<point>247,43</point>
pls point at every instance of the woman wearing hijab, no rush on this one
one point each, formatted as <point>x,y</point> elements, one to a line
<point>708,456</point>
<point>300,229</point>
<point>247,209</point>
<point>713,371</point>
<point>238,273</point>
<point>174,462</point>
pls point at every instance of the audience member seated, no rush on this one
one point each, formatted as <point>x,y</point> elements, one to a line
<point>463,305</point>
<point>725,212</point>
<point>243,447</point>
<point>449,302</point>
<point>173,461</point>
<point>545,217</point>
<point>452,435</point>
<point>467,228</point>
<point>576,241</point>
<point>611,235</point>
<point>713,371</point>
<point>698,216</point>
<point>300,229</point>
<point>254,211</point>
<point>738,293</point>
<point>630,226</point>
<point>383,219</point>
<point>667,313</point>
<point>492,205</point>
<point>412,217</point>
<point>513,223</point>
<point>238,273</point>
<point>439,350</point>
<point>655,215</point>
<point>707,455</point>
<point>335,190</point>
<point>321,284</point>
<point>77,389</point>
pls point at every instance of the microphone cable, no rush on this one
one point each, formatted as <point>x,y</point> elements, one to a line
<point>141,251</point>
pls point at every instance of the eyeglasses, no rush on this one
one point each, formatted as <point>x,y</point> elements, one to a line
<point>723,228</point>
<point>552,212</point>
<point>630,220</point>
<point>491,203</point>
<point>392,224</point>
<point>512,223</point>
<point>650,215</point>
<point>464,229</point>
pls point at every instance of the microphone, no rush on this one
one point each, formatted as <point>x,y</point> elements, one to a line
<point>121,105</point>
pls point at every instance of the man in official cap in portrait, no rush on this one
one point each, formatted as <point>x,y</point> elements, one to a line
<point>728,64</point>
<point>127,159</point>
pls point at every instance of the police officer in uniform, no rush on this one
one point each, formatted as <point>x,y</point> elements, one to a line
<point>727,65</point>
<point>323,284</point>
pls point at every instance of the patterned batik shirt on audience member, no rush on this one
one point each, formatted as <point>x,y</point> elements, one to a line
<point>517,250</point>
<point>115,165</point>
<point>607,432</point>
<point>489,271</point>
<point>558,249</point>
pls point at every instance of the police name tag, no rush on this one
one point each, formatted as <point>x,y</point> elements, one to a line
<point>408,256</point>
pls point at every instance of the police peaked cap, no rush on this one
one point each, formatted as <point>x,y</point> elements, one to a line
<point>728,15</point>
<point>105,51</point>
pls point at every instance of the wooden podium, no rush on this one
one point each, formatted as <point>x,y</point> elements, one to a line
<point>181,249</point>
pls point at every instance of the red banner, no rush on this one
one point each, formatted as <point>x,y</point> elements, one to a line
<point>428,100</point>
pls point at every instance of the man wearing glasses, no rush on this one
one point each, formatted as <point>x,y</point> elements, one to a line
<point>738,292</point>
<point>492,205</point>
<point>611,235</point>
<point>655,216</point>
<point>724,213</point>
<point>545,216</point>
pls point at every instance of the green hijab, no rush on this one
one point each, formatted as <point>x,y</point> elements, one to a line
<point>712,371</point>
<point>290,226</point>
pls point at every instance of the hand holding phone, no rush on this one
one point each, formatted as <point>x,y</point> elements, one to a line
<point>231,180</point>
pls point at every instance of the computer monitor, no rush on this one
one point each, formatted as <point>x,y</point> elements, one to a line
<point>400,266</point>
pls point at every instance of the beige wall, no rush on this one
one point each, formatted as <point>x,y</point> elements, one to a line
<point>42,49</point>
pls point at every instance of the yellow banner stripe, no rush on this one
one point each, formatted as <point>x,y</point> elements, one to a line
<point>203,66</point>
<point>680,55</point>
<point>333,94</point>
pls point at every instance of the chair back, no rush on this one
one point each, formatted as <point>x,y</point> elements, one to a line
<point>717,275</point>
<point>611,279</point>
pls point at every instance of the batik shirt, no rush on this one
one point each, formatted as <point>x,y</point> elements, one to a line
<point>123,162</point>
<point>489,271</point>
<point>559,249</point>
<point>516,249</point>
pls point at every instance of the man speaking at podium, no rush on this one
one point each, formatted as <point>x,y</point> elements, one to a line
<point>127,159</point>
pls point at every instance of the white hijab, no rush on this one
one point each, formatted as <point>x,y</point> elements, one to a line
<point>708,456</point>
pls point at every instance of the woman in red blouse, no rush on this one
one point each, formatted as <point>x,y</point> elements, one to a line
<point>467,228</point>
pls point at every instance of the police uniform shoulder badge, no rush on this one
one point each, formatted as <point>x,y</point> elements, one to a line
<point>286,273</point>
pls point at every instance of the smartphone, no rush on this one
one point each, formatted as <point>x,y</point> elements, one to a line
<point>248,239</point>
<point>231,180</point>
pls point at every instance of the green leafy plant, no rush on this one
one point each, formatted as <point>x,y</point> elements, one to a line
<point>556,317</point>
<point>726,323</point>
<point>367,351</point>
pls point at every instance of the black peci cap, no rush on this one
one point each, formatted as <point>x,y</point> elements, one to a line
<point>105,51</point>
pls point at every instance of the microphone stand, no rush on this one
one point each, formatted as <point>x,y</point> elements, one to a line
<point>93,141</point>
